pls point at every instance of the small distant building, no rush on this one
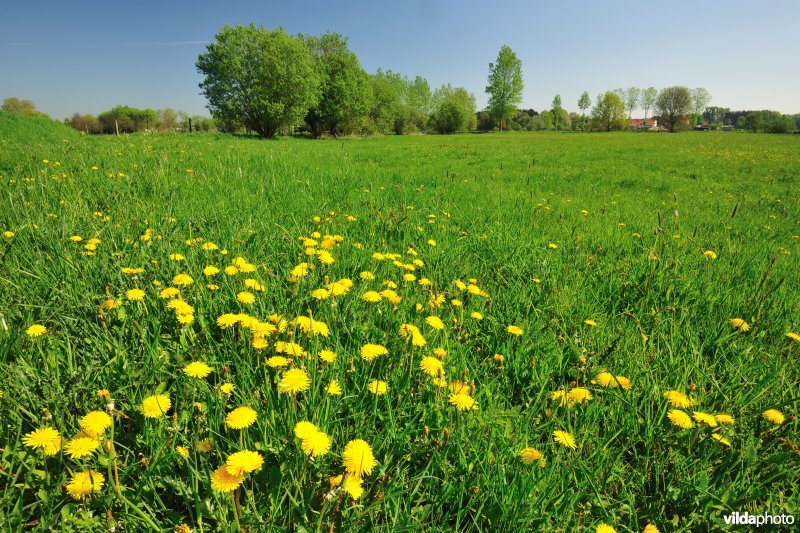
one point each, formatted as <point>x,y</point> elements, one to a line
<point>727,127</point>
<point>644,124</point>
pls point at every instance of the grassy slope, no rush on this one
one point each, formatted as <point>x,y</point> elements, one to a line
<point>664,321</point>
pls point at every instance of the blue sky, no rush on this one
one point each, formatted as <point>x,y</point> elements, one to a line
<point>87,56</point>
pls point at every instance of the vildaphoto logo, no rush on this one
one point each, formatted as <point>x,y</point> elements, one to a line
<point>758,520</point>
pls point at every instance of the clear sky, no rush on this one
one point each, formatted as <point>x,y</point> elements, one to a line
<point>87,56</point>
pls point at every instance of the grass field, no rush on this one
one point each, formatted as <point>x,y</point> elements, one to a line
<point>620,258</point>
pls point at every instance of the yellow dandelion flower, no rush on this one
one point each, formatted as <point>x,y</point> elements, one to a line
<point>371,297</point>
<point>333,388</point>
<point>710,254</point>
<point>96,422</point>
<point>316,443</point>
<point>182,279</point>
<point>80,447</point>
<point>565,439</point>
<point>197,369</point>
<point>435,322</point>
<point>515,330</point>
<point>476,315</point>
<point>304,429</point>
<point>169,292</point>
<point>226,388</point>
<point>46,439</point>
<point>277,361</point>
<point>579,395</point>
<point>210,270</point>
<point>793,336</point>
<point>590,322</point>
<point>357,458</point>
<point>680,419</point>
<point>774,416</point>
<point>183,451</point>
<point>724,418</point>
<point>293,381</point>
<point>321,294</point>
<point>431,366</point>
<point>370,352</point>
<point>85,483</point>
<point>650,528</point>
<point>328,356</point>
<point>243,462</point>
<point>529,455</point>
<point>378,387</point>
<point>135,295</point>
<point>463,402</point>
<point>241,418</point>
<point>354,486</point>
<point>246,298</point>
<point>705,418</point>
<point>367,275</point>
<point>459,387</point>
<point>156,406</point>
<point>740,324</point>
<point>678,399</point>
<point>36,330</point>
<point>719,438</point>
<point>605,528</point>
<point>227,320</point>
<point>224,481</point>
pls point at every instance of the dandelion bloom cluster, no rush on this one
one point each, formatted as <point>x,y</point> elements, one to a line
<point>84,483</point>
<point>156,406</point>
<point>241,418</point>
<point>293,381</point>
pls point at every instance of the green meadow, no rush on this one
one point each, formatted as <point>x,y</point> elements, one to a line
<point>622,259</point>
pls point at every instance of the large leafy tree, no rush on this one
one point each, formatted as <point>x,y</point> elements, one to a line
<point>264,79</point>
<point>632,99</point>
<point>505,85</point>
<point>673,105</point>
<point>454,110</point>
<point>648,100</point>
<point>345,91</point>
<point>700,100</point>
<point>609,112</point>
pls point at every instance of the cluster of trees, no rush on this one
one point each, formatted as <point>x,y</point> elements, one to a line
<point>755,121</point>
<point>21,107</point>
<point>127,119</point>
<point>268,81</point>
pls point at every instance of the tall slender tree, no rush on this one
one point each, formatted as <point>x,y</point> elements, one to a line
<point>584,103</point>
<point>649,96</point>
<point>505,85</point>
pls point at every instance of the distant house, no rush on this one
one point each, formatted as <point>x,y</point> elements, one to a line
<point>644,124</point>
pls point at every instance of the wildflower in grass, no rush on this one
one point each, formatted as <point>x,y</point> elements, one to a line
<point>498,358</point>
<point>176,257</point>
<point>650,528</point>
<point>719,438</point>
<point>710,254</point>
<point>391,296</point>
<point>183,451</point>
<point>246,298</point>
<point>182,280</point>
<point>431,366</point>
<point>552,246</point>
<point>197,369</point>
<point>605,528</point>
<point>435,322</point>
<point>565,439</point>
<point>290,348</point>
<point>96,422</point>
<point>227,320</point>
<point>579,395</point>
<point>463,402</point>
<point>277,361</point>
<point>724,418</point>
<point>327,356</point>
<point>774,416</point>
<point>529,455</point>
<point>210,270</point>
<point>333,388</point>
<point>515,330</point>
<point>378,387</point>
<point>293,381</point>
<point>224,481</point>
<point>704,418</point>
<point>303,429</point>
<point>85,483</point>
<point>371,297</point>
<point>135,295</point>
<point>740,324</point>
<point>209,246</point>
<point>244,462</point>
<point>680,419</point>
<point>409,278</point>
<point>369,352</point>
<point>241,418</point>
<point>132,271</point>
<point>459,387</point>
<point>455,302</point>
<point>591,323</point>
<point>8,234</point>
<point>367,275</point>
<point>169,292</point>
<point>357,458</point>
<point>81,447</point>
<point>608,380</point>
<point>321,294</point>
<point>226,388</point>
<point>678,399</point>
<point>156,406</point>
<point>354,486</point>
<point>46,439</point>
<point>560,396</point>
<point>436,300</point>
<point>793,336</point>
<point>205,446</point>
<point>185,318</point>
<point>315,443</point>
<point>76,238</point>
<point>36,330</point>
<point>476,315</point>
